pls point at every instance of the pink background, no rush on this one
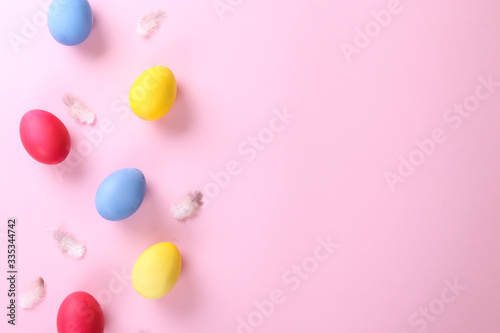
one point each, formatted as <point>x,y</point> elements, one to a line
<point>322,176</point>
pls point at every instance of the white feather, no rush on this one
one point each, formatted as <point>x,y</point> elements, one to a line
<point>34,294</point>
<point>78,110</point>
<point>68,244</point>
<point>150,23</point>
<point>187,206</point>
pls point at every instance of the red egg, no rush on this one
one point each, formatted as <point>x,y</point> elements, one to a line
<point>44,137</point>
<point>80,313</point>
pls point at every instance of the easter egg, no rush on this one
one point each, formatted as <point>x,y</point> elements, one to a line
<point>44,137</point>
<point>121,194</point>
<point>70,21</point>
<point>80,312</point>
<point>153,93</point>
<point>157,270</point>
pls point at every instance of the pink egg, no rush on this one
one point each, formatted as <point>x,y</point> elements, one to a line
<point>80,312</point>
<point>44,137</point>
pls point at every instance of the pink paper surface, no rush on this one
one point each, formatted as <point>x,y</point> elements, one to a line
<point>368,154</point>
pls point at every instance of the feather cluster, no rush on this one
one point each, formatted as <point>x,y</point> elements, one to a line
<point>69,245</point>
<point>34,294</point>
<point>78,110</point>
<point>150,23</point>
<point>187,206</point>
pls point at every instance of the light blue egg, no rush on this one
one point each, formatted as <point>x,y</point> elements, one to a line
<point>70,21</point>
<point>121,194</point>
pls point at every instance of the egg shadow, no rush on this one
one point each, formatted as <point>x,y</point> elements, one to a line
<point>179,118</point>
<point>148,223</point>
<point>182,298</point>
<point>73,167</point>
<point>95,44</point>
<point>96,283</point>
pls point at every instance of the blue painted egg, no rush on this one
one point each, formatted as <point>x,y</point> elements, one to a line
<point>70,21</point>
<point>121,194</point>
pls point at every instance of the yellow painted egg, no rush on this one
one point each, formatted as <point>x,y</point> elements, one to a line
<point>157,270</point>
<point>153,93</point>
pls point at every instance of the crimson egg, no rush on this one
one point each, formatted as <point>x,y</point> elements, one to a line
<point>80,312</point>
<point>44,137</point>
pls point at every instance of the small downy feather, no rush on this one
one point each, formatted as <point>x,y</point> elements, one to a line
<point>34,294</point>
<point>150,23</point>
<point>78,110</point>
<point>187,206</point>
<point>69,245</point>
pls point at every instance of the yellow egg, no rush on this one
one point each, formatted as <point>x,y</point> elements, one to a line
<point>153,93</point>
<point>157,270</point>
